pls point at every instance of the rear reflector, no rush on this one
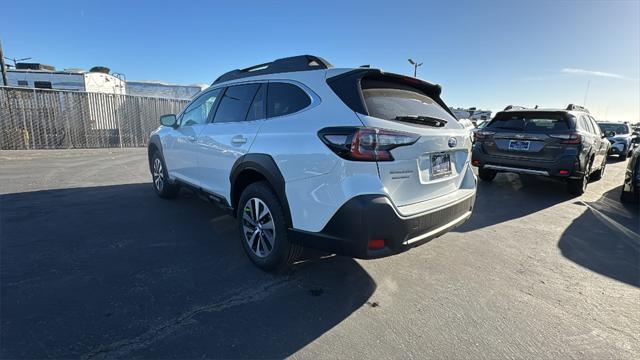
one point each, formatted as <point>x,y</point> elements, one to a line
<point>475,162</point>
<point>376,244</point>
<point>564,172</point>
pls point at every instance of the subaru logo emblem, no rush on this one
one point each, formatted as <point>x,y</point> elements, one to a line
<point>452,142</point>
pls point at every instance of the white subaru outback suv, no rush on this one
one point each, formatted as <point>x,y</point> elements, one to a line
<point>357,162</point>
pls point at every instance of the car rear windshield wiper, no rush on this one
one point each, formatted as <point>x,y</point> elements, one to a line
<point>422,120</point>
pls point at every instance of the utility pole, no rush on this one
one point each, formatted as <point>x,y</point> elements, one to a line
<point>415,67</point>
<point>3,68</point>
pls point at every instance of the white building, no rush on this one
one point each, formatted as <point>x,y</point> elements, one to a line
<point>71,79</point>
<point>163,90</point>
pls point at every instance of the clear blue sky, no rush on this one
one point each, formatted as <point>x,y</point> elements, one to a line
<point>485,53</point>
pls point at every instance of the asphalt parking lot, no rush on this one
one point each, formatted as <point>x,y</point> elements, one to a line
<point>94,265</point>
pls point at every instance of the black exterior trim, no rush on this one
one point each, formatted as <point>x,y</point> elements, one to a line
<point>154,140</point>
<point>289,64</point>
<point>368,217</point>
<point>264,165</point>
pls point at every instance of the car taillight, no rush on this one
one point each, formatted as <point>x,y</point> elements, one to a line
<point>365,143</point>
<point>483,134</point>
<point>573,138</point>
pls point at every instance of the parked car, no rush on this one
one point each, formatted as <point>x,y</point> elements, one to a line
<point>619,135</point>
<point>354,161</point>
<point>631,186</point>
<point>566,144</point>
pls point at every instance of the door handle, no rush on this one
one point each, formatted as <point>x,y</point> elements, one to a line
<point>238,140</point>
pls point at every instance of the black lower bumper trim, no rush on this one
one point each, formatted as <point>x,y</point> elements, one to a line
<point>368,217</point>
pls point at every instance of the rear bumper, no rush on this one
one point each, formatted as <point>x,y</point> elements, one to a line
<point>570,163</point>
<point>368,217</point>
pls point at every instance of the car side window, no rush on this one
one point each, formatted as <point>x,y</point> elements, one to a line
<point>584,124</point>
<point>258,108</point>
<point>235,103</point>
<point>597,129</point>
<point>198,111</point>
<point>285,98</point>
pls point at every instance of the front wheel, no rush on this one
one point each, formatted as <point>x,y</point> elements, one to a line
<point>263,229</point>
<point>161,184</point>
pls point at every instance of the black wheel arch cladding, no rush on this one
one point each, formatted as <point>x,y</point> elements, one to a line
<point>154,143</point>
<point>266,167</point>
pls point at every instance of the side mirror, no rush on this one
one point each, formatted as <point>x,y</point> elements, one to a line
<point>610,133</point>
<point>169,120</point>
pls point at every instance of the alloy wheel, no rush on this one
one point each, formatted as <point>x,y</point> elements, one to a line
<point>258,228</point>
<point>158,174</point>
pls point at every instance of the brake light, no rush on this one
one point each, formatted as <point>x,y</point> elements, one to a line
<point>573,138</point>
<point>483,134</point>
<point>365,143</point>
<point>376,244</point>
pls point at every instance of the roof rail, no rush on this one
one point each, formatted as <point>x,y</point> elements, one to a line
<point>573,107</point>
<point>514,107</point>
<point>289,64</point>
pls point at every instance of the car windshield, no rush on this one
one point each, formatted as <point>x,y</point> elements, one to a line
<point>617,128</point>
<point>529,122</point>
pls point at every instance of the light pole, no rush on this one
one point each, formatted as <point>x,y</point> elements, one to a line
<point>415,67</point>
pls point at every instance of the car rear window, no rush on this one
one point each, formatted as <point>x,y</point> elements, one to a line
<point>530,122</point>
<point>387,100</point>
<point>617,128</point>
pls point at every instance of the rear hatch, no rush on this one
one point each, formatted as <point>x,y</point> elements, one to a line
<point>434,165</point>
<point>535,136</point>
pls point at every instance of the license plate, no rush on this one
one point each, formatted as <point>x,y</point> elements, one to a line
<point>519,145</point>
<point>440,165</point>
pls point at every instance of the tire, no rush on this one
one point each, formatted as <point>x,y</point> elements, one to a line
<point>160,178</point>
<point>579,186</point>
<point>265,240</point>
<point>487,174</point>
<point>598,174</point>
<point>623,157</point>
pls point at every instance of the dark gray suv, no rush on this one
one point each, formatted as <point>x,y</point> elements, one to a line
<point>562,143</point>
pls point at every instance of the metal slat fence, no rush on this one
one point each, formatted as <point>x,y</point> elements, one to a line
<point>59,119</point>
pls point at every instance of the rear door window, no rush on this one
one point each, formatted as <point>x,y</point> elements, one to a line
<point>235,103</point>
<point>285,98</point>
<point>258,108</point>
<point>390,101</point>
<point>596,128</point>
<point>529,122</point>
<point>584,124</point>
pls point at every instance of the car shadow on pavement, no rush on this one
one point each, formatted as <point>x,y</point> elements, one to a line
<point>605,238</point>
<point>116,272</point>
<point>511,196</point>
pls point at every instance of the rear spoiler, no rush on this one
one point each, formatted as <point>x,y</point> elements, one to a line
<point>348,87</point>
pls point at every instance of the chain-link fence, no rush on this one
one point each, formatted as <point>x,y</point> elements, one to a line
<point>57,119</point>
